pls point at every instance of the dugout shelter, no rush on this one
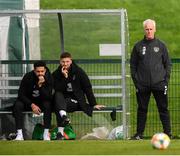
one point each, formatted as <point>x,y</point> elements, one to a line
<point>99,42</point>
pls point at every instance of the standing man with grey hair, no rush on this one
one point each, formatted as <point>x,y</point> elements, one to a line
<point>150,70</point>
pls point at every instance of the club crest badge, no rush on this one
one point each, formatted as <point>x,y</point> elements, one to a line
<point>156,49</point>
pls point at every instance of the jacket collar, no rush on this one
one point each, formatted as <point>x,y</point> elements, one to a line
<point>149,41</point>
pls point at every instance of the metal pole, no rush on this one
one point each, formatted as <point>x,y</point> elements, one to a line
<point>123,66</point>
<point>62,11</point>
<point>61,32</point>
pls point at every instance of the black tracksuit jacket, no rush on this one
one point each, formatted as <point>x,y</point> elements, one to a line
<point>150,64</point>
<point>28,85</point>
<point>81,86</point>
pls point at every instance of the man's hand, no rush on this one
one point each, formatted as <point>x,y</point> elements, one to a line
<point>99,107</point>
<point>35,109</point>
<point>64,72</point>
<point>41,80</point>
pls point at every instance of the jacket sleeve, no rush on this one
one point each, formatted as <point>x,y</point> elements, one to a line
<point>59,81</point>
<point>87,88</point>
<point>133,65</point>
<point>46,89</point>
<point>167,63</point>
<point>23,91</point>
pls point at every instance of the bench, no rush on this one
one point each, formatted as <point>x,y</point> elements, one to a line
<point>9,87</point>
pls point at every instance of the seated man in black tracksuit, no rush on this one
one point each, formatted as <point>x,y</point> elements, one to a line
<point>71,85</point>
<point>35,94</point>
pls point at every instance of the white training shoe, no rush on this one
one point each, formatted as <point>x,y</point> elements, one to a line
<point>19,137</point>
<point>46,137</point>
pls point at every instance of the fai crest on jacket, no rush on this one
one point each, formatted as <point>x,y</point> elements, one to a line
<point>156,49</point>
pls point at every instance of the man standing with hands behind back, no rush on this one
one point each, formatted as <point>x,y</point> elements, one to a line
<point>150,70</point>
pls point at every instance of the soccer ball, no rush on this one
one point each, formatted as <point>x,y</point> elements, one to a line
<point>160,141</point>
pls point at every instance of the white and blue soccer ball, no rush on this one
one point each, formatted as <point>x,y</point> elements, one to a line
<point>160,141</point>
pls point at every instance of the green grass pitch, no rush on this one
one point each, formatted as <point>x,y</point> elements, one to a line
<point>88,147</point>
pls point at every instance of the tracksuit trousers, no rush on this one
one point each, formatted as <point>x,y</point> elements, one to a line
<point>66,104</point>
<point>161,99</point>
<point>19,107</point>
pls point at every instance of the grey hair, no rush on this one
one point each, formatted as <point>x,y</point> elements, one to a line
<point>149,21</point>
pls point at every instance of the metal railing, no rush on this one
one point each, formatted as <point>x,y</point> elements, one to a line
<point>153,124</point>
<point>106,82</point>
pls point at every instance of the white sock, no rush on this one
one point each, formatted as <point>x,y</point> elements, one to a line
<point>19,132</point>
<point>46,131</point>
<point>19,135</point>
<point>46,134</point>
<point>61,130</point>
<point>62,112</point>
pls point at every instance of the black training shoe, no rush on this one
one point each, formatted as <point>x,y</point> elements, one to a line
<point>11,136</point>
<point>66,120</point>
<point>59,136</point>
<point>137,137</point>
